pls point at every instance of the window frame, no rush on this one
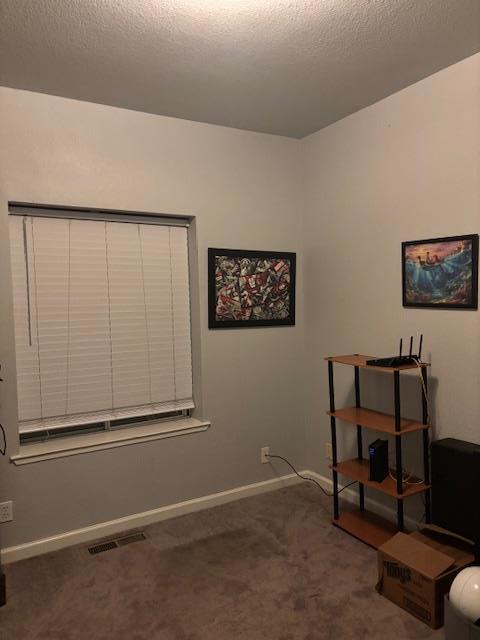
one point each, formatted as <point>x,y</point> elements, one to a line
<point>121,432</point>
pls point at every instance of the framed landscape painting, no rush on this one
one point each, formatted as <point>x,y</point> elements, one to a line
<point>250,288</point>
<point>441,273</point>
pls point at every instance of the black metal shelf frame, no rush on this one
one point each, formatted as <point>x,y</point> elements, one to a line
<point>398,444</point>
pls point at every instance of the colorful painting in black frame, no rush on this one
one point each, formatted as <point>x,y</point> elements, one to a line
<point>441,273</point>
<point>250,288</point>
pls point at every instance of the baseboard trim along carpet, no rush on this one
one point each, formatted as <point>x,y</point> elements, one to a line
<point>137,520</point>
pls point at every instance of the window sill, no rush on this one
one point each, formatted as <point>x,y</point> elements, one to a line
<point>74,445</point>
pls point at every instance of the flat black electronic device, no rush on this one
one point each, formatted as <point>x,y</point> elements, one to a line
<point>378,460</point>
<point>393,361</point>
<point>399,361</point>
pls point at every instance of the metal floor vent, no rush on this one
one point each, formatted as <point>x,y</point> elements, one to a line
<point>134,537</point>
<point>119,542</point>
<point>100,548</point>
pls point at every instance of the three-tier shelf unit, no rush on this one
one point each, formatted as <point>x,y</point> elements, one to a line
<point>359,522</point>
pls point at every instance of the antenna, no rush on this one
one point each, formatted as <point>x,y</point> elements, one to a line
<point>411,347</point>
<point>401,344</point>
<point>420,347</point>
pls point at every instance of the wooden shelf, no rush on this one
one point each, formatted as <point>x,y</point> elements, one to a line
<point>366,526</point>
<point>376,420</point>
<point>359,470</point>
<point>357,360</point>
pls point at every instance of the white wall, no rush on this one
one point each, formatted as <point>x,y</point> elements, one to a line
<point>243,189</point>
<point>405,168</point>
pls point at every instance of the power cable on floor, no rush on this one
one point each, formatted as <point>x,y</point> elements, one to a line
<point>330,495</point>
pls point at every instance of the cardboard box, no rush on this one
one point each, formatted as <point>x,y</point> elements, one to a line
<point>457,627</point>
<point>415,571</point>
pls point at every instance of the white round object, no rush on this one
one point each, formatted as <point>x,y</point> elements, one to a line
<point>465,594</point>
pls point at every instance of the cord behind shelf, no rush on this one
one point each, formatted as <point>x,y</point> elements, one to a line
<point>424,388</point>
<point>3,450</point>
<point>407,479</point>
<point>330,495</point>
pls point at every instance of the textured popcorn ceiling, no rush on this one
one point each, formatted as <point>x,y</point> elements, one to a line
<point>288,67</point>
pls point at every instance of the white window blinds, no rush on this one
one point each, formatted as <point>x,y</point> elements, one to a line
<point>102,320</point>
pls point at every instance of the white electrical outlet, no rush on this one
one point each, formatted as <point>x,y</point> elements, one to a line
<point>6,511</point>
<point>328,451</point>
<point>264,452</point>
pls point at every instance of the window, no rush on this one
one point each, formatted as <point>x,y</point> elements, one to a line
<point>102,320</point>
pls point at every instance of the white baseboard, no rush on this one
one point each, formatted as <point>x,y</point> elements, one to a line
<point>86,535</point>
<point>136,520</point>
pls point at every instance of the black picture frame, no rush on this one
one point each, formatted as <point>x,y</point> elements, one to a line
<point>414,296</point>
<point>214,322</point>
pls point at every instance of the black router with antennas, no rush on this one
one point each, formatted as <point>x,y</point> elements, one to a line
<point>400,360</point>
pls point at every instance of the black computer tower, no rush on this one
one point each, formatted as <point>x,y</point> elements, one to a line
<point>456,487</point>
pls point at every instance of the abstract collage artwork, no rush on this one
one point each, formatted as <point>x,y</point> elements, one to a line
<point>251,288</point>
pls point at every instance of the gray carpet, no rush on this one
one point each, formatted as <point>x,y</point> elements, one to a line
<point>269,567</point>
